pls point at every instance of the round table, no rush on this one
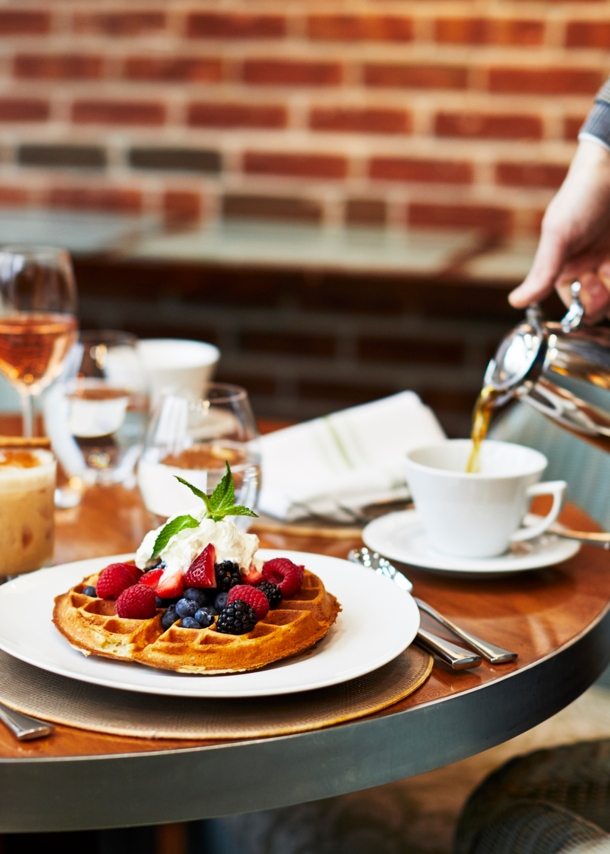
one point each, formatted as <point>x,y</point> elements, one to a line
<point>557,619</point>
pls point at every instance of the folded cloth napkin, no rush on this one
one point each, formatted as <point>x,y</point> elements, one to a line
<point>354,457</point>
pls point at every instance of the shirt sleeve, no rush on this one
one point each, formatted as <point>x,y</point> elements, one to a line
<point>597,124</point>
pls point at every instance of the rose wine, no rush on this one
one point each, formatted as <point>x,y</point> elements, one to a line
<point>33,346</point>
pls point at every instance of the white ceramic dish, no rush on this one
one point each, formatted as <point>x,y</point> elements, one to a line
<point>376,624</point>
<point>401,536</point>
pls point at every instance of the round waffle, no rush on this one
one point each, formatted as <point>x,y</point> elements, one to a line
<point>92,626</point>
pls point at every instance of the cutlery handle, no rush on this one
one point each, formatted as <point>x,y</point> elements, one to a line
<point>490,652</point>
<point>454,656</point>
<point>24,727</point>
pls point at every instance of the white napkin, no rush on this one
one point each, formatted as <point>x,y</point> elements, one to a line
<point>354,457</point>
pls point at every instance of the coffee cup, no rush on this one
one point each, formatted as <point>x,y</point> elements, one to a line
<point>174,364</point>
<point>479,515</point>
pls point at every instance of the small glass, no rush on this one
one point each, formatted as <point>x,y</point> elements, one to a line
<point>96,417</point>
<point>193,437</point>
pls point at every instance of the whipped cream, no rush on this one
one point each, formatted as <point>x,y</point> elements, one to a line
<point>186,545</point>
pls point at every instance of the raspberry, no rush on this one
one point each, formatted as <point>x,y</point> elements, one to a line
<point>286,574</point>
<point>255,598</point>
<point>137,603</point>
<point>201,572</point>
<point>113,580</point>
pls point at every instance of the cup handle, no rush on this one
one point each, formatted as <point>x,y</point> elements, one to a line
<point>556,488</point>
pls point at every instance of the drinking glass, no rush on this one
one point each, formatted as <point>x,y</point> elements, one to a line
<point>37,319</point>
<point>193,437</point>
<point>96,415</point>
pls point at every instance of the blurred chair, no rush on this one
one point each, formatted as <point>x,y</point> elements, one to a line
<point>548,802</point>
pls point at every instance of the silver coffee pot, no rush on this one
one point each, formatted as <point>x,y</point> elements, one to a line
<point>533,357</point>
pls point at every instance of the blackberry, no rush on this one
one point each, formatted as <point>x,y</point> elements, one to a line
<point>89,591</point>
<point>227,575</point>
<point>272,592</point>
<point>238,618</point>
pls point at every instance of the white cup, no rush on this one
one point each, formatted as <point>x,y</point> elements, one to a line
<point>173,364</point>
<point>479,515</point>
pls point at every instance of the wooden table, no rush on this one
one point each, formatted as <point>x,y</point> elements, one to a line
<point>557,619</point>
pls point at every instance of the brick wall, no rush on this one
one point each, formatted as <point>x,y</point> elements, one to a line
<point>422,112</point>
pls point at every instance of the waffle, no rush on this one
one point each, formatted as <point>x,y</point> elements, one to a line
<point>91,625</point>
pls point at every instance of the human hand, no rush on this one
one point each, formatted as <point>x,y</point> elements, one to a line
<point>575,237</point>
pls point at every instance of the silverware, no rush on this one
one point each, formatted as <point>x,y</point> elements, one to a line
<point>24,727</point>
<point>454,656</point>
<point>589,538</point>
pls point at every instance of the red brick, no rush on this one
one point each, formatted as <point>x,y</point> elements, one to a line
<point>214,25</point>
<point>21,23</point>
<point>410,350</point>
<point>489,31</point>
<point>364,120</point>
<point>223,115</point>
<point>486,126</point>
<point>494,220</point>
<point>202,69</point>
<point>112,199</point>
<point>298,165</point>
<point>420,169</point>
<point>23,110</point>
<point>118,112</point>
<point>366,212</point>
<point>119,23</point>
<point>181,207</point>
<point>13,196</point>
<point>343,393</point>
<point>271,208</point>
<point>545,81</point>
<point>416,76</point>
<point>572,126</point>
<point>286,72</point>
<point>530,174</point>
<point>58,66</point>
<point>588,34</point>
<point>360,28</point>
<point>288,343</point>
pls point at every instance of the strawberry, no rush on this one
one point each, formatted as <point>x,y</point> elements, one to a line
<point>201,572</point>
<point>137,573</point>
<point>285,574</point>
<point>171,585</point>
<point>252,576</point>
<point>254,597</point>
<point>151,578</point>
<point>113,580</point>
<point>137,602</point>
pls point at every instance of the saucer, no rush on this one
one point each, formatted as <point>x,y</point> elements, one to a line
<point>401,536</point>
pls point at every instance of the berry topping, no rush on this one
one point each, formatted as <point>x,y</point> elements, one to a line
<point>221,601</point>
<point>90,591</point>
<point>253,596</point>
<point>151,578</point>
<point>252,576</point>
<point>201,572</point>
<point>238,618</point>
<point>189,623</point>
<point>113,580</point>
<point>202,597</point>
<point>137,602</point>
<point>170,586</point>
<point>272,592</point>
<point>205,616</point>
<point>169,617</point>
<point>227,575</point>
<point>286,574</point>
<point>186,607</point>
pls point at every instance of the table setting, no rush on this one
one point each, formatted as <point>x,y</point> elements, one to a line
<point>450,600</point>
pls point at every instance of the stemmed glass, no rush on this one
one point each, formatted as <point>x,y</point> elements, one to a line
<point>37,319</point>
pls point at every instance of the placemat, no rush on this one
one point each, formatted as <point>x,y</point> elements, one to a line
<point>67,701</point>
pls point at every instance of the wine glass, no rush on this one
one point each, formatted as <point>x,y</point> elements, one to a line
<point>194,437</point>
<point>37,319</point>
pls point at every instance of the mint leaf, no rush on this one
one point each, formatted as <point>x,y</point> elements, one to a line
<point>180,523</point>
<point>239,510</point>
<point>195,491</point>
<point>224,494</point>
<point>217,505</point>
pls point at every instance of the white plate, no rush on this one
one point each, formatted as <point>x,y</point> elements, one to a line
<point>376,624</point>
<point>401,536</point>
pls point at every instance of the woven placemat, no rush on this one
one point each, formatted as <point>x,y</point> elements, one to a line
<point>67,701</point>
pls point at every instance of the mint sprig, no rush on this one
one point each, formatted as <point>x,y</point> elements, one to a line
<point>217,505</point>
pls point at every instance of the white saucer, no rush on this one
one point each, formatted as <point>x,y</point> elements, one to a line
<point>400,536</point>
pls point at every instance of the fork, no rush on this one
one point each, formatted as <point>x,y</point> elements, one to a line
<point>490,652</point>
<point>24,727</point>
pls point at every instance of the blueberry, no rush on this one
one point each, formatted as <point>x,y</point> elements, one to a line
<point>221,601</point>
<point>90,591</point>
<point>189,623</point>
<point>205,616</point>
<point>169,617</point>
<point>197,595</point>
<point>186,607</point>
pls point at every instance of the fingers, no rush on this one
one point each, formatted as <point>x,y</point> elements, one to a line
<point>540,280</point>
<point>594,290</point>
